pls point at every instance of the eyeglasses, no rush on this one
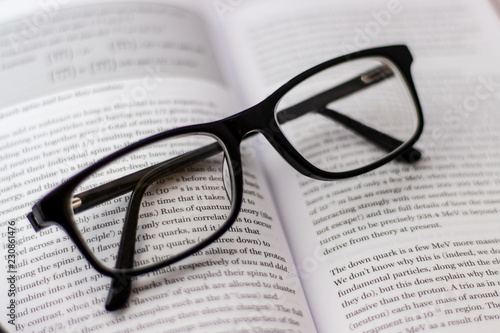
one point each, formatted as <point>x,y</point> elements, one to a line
<point>170,195</point>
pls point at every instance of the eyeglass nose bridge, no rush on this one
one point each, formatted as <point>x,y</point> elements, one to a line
<point>260,119</point>
<point>251,121</point>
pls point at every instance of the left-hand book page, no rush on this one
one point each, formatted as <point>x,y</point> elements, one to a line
<point>80,84</point>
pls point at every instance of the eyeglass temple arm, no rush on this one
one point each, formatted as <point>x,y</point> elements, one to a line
<point>137,183</point>
<point>384,141</point>
<point>121,285</point>
<point>93,197</point>
<point>318,103</point>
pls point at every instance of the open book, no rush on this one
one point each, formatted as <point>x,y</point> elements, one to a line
<point>404,248</point>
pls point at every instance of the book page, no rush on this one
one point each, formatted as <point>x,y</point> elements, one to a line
<point>405,247</point>
<point>87,99</point>
<point>277,43</point>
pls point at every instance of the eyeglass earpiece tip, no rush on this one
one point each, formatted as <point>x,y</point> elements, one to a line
<point>412,155</point>
<point>118,294</point>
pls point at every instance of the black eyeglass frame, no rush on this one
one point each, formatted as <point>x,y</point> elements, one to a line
<point>56,208</point>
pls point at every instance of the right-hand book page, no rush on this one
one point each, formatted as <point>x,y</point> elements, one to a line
<point>405,248</point>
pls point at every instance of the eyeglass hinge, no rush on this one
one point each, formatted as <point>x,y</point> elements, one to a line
<point>377,74</point>
<point>34,222</point>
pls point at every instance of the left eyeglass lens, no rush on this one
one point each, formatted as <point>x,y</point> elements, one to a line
<point>162,199</point>
<point>349,115</point>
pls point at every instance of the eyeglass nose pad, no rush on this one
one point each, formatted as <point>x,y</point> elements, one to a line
<point>226,179</point>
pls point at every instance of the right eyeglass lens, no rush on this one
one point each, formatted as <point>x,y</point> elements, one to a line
<point>156,202</point>
<point>350,115</point>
